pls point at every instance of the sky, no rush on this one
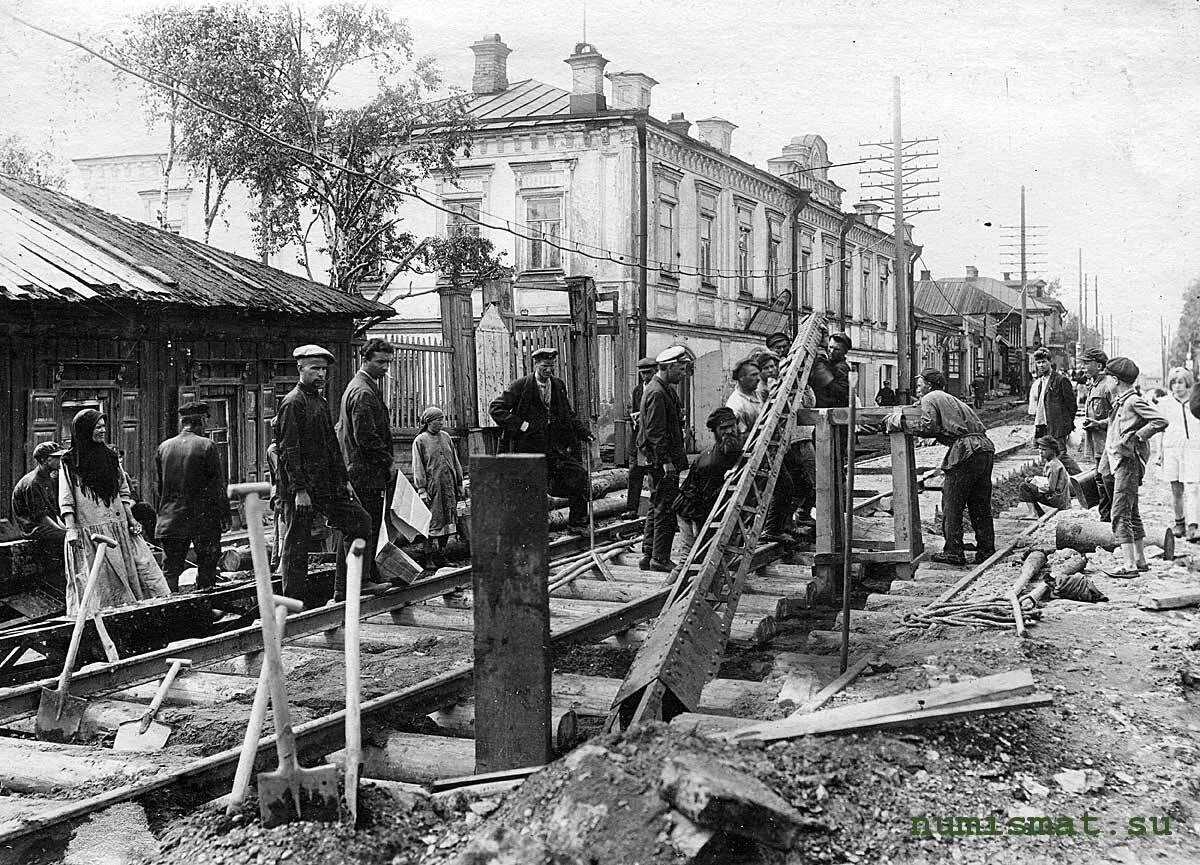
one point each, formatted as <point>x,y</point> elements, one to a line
<point>1090,106</point>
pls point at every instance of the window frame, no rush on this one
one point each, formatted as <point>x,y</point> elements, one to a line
<point>885,274</point>
<point>774,248</point>
<point>457,228</point>
<point>707,250</point>
<point>667,202</point>
<point>744,251</point>
<point>528,246</point>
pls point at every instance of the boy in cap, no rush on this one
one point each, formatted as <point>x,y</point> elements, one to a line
<point>312,477</point>
<point>703,483</point>
<point>646,367</point>
<point>1134,421</point>
<point>661,451</point>
<point>35,506</point>
<point>193,509</point>
<point>535,416</point>
<point>1097,407</point>
<point>1052,489</point>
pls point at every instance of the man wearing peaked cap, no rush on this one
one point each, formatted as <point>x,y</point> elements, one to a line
<point>535,416</point>
<point>312,477</point>
<point>35,507</point>
<point>661,451</point>
<point>192,505</point>
<point>646,368</point>
<point>1096,408</point>
<point>702,486</point>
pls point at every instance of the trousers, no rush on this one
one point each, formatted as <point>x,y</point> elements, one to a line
<point>566,477</point>
<point>208,552</point>
<point>969,485</point>
<point>372,499</point>
<point>342,513</point>
<point>1126,518</point>
<point>633,499</point>
<point>660,521</point>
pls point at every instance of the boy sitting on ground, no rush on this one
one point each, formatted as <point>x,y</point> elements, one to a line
<point>1052,489</point>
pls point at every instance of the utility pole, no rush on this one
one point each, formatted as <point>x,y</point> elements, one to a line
<point>1082,317</point>
<point>904,328</point>
<point>1024,306</point>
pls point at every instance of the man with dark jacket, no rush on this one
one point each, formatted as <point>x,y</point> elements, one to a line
<point>646,368</point>
<point>313,477</point>
<point>35,509</point>
<point>364,431</point>
<point>535,416</point>
<point>1096,411</point>
<point>661,451</point>
<point>700,489</point>
<point>192,506</point>
<point>1052,405</point>
<point>830,373</point>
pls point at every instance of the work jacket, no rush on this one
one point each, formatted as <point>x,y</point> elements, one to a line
<point>309,457</point>
<point>1097,408</point>
<point>953,423</point>
<point>1058,404</point>
<point>1134,421</point>
<point>660,436</point>
<point>191,487</point>
<point>552,429</point>
<point>700,489</point>
<point>830,382</point>
<point>364,431</point>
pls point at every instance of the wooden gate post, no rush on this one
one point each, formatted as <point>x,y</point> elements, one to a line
<point>510,578</point>
<point>458,332</point>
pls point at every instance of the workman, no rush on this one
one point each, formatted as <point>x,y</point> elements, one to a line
<point>35,509</point>
<point>364,431</point>
<point>1097,408</point>
<point>312,477</point>
<point>193,508</point>
<point>1052,406</point>
<point>700,489</point>
<point>800,460</point>
<point>661,451</point>
<point>830,373</point>
<point>535,416</point>
<point>967,465</point>
<point>646,367</point>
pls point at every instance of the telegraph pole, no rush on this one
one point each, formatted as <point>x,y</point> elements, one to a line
<point>904,328</point>
<point>1024,306</point>
<point>1082,316</point>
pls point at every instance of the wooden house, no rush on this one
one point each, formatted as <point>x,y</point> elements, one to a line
<point>99,311</point>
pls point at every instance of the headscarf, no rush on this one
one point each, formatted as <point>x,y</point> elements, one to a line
<point>95,466</point>
<point>430,415</point>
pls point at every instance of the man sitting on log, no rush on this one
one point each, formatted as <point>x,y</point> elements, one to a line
<point>967,465</point>
<point>35,509</point>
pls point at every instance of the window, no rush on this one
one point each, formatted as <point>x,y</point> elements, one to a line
<point>806,278</point>
<point>865,290</point>
<point>459,221</point>
<point>668,205</point>
<point>952,359</point>
<point>885,300</point>
<point>774,242</point>
<point>827,294</point>
<point>745,250</point>
<point>543,218</point>
<point>706,228</point>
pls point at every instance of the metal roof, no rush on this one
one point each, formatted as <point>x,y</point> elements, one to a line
<point>527,98</point>
<point>971,296</point>
<point>54,248</point>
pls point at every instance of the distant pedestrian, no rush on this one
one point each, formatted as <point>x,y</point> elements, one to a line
<point>1052,405</point>
<point>94,498</point>
<point>646,367</point>
<point>193,508</point>
<point>438,476</point>
<point>1096,411</point>
<point>661,450</point>
<point>967,465</point>
<point>1053,488</point>
<point>702,486</point>
<point>535,416</point>
<point>1180,454</point>
<point>312,477</point>
<point>978,391</point>
<point>364,431</point>
<point>886,396</point>
<point>1135,420</point>
<point>35,509</point>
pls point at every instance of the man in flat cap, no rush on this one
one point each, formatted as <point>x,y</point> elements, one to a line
<point>193,509</point>
<point>535,416</point>
<point>1052,405</point>
<point>703,483</point>
<point>35,508</point>
<point>646,367</point>
<point>1096,410</point>
<point>830,373</point>
<point>661,451</point>
<point>312,477</point>
<point>364,430</point>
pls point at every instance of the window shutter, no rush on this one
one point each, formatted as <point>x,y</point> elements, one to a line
<point>43,423</point>
<point>129,435</point>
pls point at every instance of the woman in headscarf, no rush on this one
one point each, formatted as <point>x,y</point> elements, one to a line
<point>94,497</point>
<point>439,481</point>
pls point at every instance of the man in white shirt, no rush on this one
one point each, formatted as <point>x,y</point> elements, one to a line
<point>745,401</point>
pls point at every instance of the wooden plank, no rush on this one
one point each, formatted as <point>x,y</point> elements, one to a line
<point>827,693</point>
<point>1169,600</point>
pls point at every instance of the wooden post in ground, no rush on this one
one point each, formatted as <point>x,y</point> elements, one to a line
<point>510,575</point>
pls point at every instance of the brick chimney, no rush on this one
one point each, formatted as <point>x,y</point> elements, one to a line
<point>716,132</point>
<point>630,89</point>
<point>491,65</point>
<point>868,212</point>
<point>972,272</point>
<point>587,79</point>
<point>679,124</point>
<point>926,276</point>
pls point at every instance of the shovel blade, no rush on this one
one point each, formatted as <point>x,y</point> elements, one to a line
<point>303,794</point>
<point>131,738</point>
<point>59,716</point>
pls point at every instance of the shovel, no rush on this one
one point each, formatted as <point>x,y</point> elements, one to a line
<point>354,571</point>
<point>596,562</point>
<point>59,714</point>
<point>291,792</point>
<point>146,733</point>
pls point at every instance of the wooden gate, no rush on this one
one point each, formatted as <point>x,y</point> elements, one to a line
<point>420,377</point>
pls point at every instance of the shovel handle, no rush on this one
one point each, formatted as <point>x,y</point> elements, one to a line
<point>258,711</point>
<point>354,572</point>
<point>161,693</point>
<point>81,614</point>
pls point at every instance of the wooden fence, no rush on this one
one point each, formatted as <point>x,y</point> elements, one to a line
<point>420,377</point>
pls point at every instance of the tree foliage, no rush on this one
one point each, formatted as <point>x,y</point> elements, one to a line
<point>334,172</point>
<point>1187,331</point>
<point>23,161</point>
<point>1091,337</point>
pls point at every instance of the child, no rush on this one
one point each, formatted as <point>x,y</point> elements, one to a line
<point>439,480</point>
<point>1180,454</point>
<point>1134,421</point>
<point>1053,489</point>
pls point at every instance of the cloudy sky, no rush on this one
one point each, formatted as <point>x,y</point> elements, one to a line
<point>1090,105</point>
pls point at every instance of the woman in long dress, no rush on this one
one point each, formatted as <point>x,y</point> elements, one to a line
<point>439,481</point>
<point>94,497</point>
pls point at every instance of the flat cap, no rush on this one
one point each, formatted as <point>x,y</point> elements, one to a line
<point>48,449</point>
<point>310,350</point>
<point>647,363</point>
<point>544,351</point>
<point>1096,355</point>
<point>195,408</point>
<point>720,415</point>
<point>672,354</point>
<point>844,339</point>
<point>1123,369</point>
<point>778,336</point>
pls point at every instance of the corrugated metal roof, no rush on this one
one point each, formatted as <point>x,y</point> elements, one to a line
<point>970,296</point>
<point>527,98</point>
<point>54,248</point>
